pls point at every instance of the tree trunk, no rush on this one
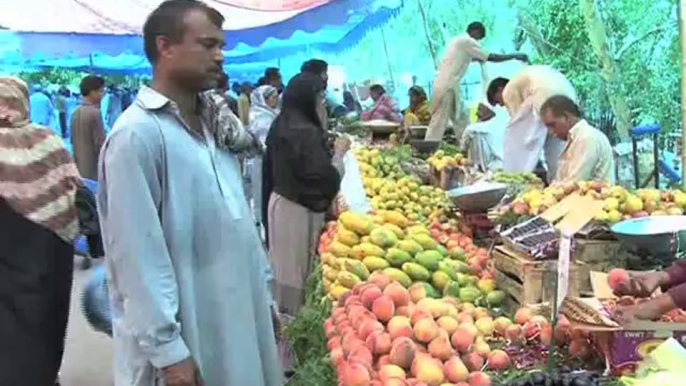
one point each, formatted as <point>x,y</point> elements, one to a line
<point>425,25</point>
<point>609,69</point>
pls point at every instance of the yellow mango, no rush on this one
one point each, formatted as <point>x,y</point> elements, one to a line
<point>396,218</point>
<point>399,276</point>
<point>337,290</point>
<point>374,263</point>
<point>340,250</point>
<point>347,237</point>
<point>395,229</point>
<point>367,249</point>
<point>347,279</point>
<point>357,268</point>
<point>358,223</point>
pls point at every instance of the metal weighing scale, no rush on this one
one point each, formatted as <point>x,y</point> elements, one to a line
<point>474,201</point>
<point>652,242</point>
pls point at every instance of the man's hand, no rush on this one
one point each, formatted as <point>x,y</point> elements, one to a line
<point>524,58</point>
<point>341,145</point>
<point>184,373</point>
<point>642,285</point>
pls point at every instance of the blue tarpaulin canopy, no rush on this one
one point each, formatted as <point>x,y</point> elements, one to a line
<point>104,35</point>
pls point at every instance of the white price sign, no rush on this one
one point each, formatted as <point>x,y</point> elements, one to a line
<point>563,268</point>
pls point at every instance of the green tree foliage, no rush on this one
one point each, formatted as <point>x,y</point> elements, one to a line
<point>643,38</point>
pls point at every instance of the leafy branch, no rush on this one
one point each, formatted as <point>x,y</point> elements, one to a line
<point>632,42</point>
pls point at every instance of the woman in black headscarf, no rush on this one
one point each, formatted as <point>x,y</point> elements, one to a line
<point>301,179</point>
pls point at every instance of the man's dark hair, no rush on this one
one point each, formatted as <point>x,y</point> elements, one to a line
<point>271,73</point>
<point>91,83</point>
<point>167,20</point>
<point>315,66</point>
<point>223,82</point>
<point>378,88</point>
<point>560,104</point>
<point>493,87</point>
<point>478,27</point>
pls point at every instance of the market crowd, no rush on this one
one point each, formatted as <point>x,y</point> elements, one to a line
<point>197,293</point>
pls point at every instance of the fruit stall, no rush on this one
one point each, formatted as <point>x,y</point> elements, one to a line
<point>405,296</point>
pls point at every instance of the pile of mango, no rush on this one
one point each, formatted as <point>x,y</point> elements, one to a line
<point>377,163</point>
<point>407,196</point>
<point>357,246</point>
<point>516,178</point>
<point>619,203</point>
<point>439,160</point>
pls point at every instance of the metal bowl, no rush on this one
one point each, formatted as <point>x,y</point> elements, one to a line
<point>381,127</point>
<point>654,235</point>
<point>478,197</point>
<point>425,147</point>
<point>418,132</point>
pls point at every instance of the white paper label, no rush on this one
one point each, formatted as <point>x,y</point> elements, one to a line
<point>563,268</point>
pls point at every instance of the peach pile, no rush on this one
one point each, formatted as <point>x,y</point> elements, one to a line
<point>528,327</point>
<point>378,335</point>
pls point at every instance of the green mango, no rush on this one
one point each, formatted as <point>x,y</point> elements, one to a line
<point>410,246</point>
<point>443,251</point>
<point>416,271</point>
<point>452,289</point>
<point>444,266</point>
<point>429,259</point>
<point>495,298</point>
<point>397,257</point>
<point>469,294</point>
<point>458,254</point>
<point>440,280</point>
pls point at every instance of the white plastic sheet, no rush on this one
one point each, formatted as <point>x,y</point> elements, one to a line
<point>352,189</point>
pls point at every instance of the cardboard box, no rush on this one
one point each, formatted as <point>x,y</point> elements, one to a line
<point>623,347</point>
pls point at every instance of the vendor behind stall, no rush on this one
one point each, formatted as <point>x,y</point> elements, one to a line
<point>418,113</point>
<point>643,285</point>
<point>587,153</point>
<point>385,107</point>
<point>526,136</point>
<point>483,140</point>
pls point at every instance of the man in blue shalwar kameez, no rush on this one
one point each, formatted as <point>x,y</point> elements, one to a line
<point>186,268</point>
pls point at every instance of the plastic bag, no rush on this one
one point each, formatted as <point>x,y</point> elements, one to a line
<point>352,188</point>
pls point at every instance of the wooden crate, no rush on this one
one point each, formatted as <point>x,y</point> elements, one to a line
<point>598,251</point>
<point>529,281</point>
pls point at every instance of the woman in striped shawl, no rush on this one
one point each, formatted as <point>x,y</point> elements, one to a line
<point>38,222</point>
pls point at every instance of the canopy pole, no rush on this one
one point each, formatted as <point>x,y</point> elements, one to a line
<point>388,58</point>
<point>682,37</point>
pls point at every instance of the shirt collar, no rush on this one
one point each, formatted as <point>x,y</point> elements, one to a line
<point>576,129</point>
<point>153,100</point>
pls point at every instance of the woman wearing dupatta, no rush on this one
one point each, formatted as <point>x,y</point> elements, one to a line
<point>418,113</point>
<point>38,222</point>
<point>263,109</point>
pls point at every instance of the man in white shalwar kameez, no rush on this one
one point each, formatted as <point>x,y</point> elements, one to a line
<point>483,140</point>
<point>526,137</point>
<point>446,104</point>
<point>186,268</point>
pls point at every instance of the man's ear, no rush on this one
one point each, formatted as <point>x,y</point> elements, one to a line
<point>164,45</point>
